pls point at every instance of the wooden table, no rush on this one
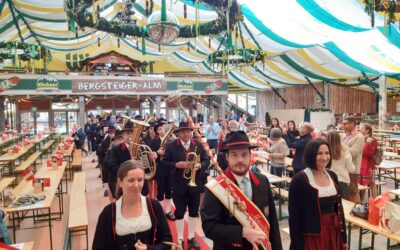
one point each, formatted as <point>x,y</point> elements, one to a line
<point>38,141</point>
<point>9,140</point>
<point>390,155</point>
<point>17,214</point>
<point>390,170</point>
<point>365,227</point>
<point>13,157</point>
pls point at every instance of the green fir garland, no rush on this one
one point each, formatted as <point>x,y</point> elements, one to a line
<point>30,51</point>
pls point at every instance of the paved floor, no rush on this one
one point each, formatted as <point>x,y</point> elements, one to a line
<point>96,202</point>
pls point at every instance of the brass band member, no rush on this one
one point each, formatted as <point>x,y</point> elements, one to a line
<point>163,174</point>
<point>185,196</point>
<point>219,223</point>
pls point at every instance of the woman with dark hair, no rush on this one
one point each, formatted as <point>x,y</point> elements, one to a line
<point>293,132</point>
<point>274,124</point>
<point>316,218</point>
<point>367,176</point>
<point>342,163</point>
<point>132,221</point>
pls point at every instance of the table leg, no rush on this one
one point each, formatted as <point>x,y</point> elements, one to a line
<point>14,227</point>
<point>51,236</point>
<point>349,235</point>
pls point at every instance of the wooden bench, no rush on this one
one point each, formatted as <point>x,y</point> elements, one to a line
<point>48,145</point>
<point>78,217</point>
<point>77,160</point>
<point>31,160</point>
<point>4,183</point>
<point>283,195</point>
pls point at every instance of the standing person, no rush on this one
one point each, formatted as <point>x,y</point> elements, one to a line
<point>367,176</point>
<point>163,173</point>
<point>101,154</point>
<point>233,116</point>
<point>316,219</point>
<point>220,222</point>
<point>223,131</point>
<point>354,142</point>
<point>186,197</point>
<point>107,163</point>
<point>211,133</point>
<point>277,152</point>
<point>299,144</point>
<point>342,163</point>
<point>79,137</point>
<point>87,129</point>
<point>132,221</point>
<point>233,125</point>
<point>274,124</point>
<point>293,132</point>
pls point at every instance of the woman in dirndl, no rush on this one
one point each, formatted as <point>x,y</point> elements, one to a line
<point>316,218</point>
<point>367,170</point>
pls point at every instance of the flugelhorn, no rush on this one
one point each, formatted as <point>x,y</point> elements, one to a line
<point>189,172</point>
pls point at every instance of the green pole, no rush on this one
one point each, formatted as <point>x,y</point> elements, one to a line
<point>163,11</point>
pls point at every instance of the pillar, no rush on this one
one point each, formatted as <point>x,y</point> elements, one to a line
<point>222,109</point>
<point>2,114</point>
<point>326,95</point>
<point>81,116</point>
<point>151,106</point>
<point>382,103</point>
<point>210,109</point>
<point>158,106</point>
<point>17,117</point>
<point>191,105</point>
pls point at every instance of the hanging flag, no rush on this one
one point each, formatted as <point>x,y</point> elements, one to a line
<point>28,174</point>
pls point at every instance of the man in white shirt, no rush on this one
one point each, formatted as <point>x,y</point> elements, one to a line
<point>211,133</point>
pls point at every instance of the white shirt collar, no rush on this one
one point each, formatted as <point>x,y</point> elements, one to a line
<point>239,178</point>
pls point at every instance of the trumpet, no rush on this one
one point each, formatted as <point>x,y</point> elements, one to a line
<point>189,172</point>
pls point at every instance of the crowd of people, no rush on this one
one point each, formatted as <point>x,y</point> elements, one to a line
<point>328,166</point>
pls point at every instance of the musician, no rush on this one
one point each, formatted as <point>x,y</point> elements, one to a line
<point>121,153</point>
<point>219,222</point>
<point>132,221</point>
<point>185,196</point>
<point>163,173</point>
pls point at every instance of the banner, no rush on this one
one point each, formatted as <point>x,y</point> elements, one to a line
<point>111,85</point>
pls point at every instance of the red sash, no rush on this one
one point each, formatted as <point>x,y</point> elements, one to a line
<point>219,187</point>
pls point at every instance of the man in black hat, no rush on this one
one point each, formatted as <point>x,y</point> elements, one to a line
<point>185,196</point>
<point>221,222</point>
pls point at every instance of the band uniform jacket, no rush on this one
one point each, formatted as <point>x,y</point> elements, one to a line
<point>224,230</point>
<point>175,152</point>
<point>120,153</point>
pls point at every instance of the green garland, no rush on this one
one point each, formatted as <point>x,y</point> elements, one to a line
<point>249,56</point>
<point>85,19</point>
<point>388,7</point>
<point>30,51</point>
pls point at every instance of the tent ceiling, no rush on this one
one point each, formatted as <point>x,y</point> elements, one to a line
<point>317,39</point>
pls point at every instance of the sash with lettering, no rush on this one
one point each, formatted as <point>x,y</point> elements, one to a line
<point>219,188</point>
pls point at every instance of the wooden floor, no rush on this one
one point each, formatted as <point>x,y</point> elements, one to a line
<point>96,201</point>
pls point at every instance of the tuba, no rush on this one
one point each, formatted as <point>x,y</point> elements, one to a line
<point>189,172</point>
<point>142,152</point>
<point>167,136</point>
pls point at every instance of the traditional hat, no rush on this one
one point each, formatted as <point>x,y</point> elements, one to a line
<point>157,125</point>
<point>118,133</point>
<point>183,126</point>
<point>237,139</point>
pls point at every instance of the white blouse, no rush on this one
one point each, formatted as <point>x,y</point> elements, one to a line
<point>132,225</point>
<point>323,191</point>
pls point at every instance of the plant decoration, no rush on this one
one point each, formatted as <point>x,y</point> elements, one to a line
<point>237,57</point>
<point>77,12</point>
<point>388,7</point>
<point>11,50</point>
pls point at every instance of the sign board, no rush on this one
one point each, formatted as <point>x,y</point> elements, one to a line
<point>34,109</point>
<point>47,83</point>
<point>124,85</point>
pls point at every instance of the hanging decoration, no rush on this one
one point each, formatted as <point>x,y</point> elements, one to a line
<point>84,18</point>
<point>242,57</point>
<point>163,26</point>
<point>388,7</point>
<point>23,51</point>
